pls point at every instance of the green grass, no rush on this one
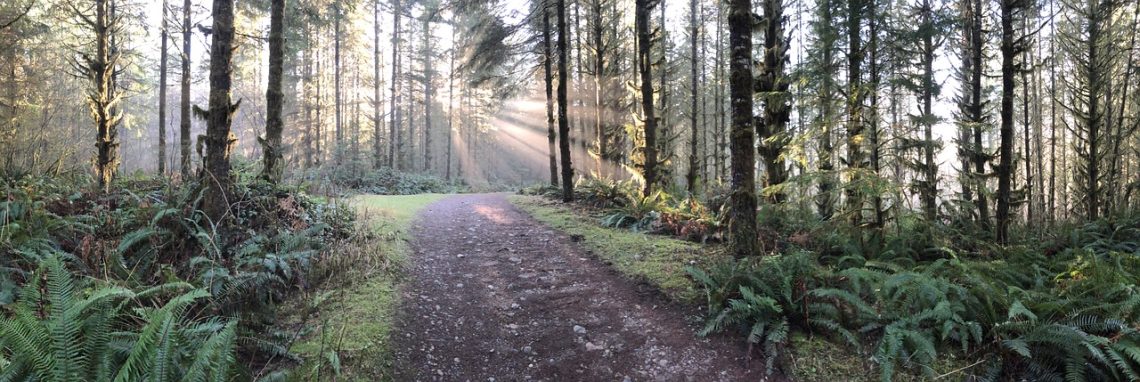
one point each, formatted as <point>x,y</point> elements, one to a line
<point>352,314</point>
<point>657,260</point>
<point>391,216</point>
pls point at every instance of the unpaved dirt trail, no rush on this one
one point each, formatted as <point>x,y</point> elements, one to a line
<point>495,295</point>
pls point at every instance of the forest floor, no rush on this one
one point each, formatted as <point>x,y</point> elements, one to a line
<point>494,295</point>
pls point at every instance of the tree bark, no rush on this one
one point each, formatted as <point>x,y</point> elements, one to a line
<point>563,121</point>
<point>162,95</point>
<point>721,133</point>
<point>1005,151</point>
<point>930,168</point>
<point>873,120</point>
<point>1052,120</point>
<point>427,89</point>
<point>773,88</point>
<point>1025,121</point>
<point>394,141</point>
<point>600,84</point>
<point>450,101</point>
<point>548,75</point>
<point>645,70</point>
<point>103,97</point>
<point>742,213</point>
<point>975,106</point>
<point>184,121</point>
<point>307,90</point>
<point>825,200</point>
<point>219,140</point>
<point>338,107</point>
<point>377,160</point>
<point>691,177</point>
<point>855,9</point>
<point>318,138</point>
<point>271,148</point>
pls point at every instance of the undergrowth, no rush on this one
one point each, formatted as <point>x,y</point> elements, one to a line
<point>139,284</point>
<point>907,302</point>
<point>916,300</point>
<point>380,181</point>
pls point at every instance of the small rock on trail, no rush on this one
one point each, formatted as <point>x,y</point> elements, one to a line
<point>548,311</point>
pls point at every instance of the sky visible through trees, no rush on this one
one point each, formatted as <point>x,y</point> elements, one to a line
<point>469,84</point>
<point>513,13</point>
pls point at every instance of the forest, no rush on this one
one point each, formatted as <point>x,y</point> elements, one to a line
<point>659,190</point>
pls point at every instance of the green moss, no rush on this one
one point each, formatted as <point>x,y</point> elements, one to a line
<point>657,260</point>
<point>355,314</point>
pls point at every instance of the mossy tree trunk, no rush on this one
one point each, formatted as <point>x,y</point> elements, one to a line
<point>742,212</point>
<point>219,139</point>
<point>271,148</point>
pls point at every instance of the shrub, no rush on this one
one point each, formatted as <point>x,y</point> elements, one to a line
<point>1022,315</point>
<point>639,212</point>
<point>63,329</point>
<point>151,235</point>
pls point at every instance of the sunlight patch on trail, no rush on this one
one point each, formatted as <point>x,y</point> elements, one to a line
<point>494,214</point>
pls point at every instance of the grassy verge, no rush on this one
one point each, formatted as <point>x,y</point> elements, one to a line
<point>347,321</point>
<point>657,260</point>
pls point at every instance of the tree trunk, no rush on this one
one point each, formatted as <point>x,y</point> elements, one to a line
<point>318,137</point>
<point>1005,151</point>
<point>706,171</point>
<point>694,39</point>
<point>184,121</point>
<point>742,213</point>
<point>1052,120</point>
<point>579,91</point>
<point>162,96</point>
<point>307,90</point>
<point>1094,124</point>
<point>563,121</point>
<point>376,85</point>
<point>427,90</point>
<point>664,126</point>
<point>1038,144</point>
<point>271,148</point>
<point>103,97</point>
<point>338,107</point>
<point>450,102</point>
<point>930,168</point>
<point>976,107</point>
<point>855,9</point>
<point>773,87</point>
<point>548,76</point>
<point>825,200</point>
<point>875,140</point>
<point>219,140</point>
<point>722,131</point>
<point>1025,119</point>
<point>600,84</point>
<point>645,70</point>
<point>394,141</point>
